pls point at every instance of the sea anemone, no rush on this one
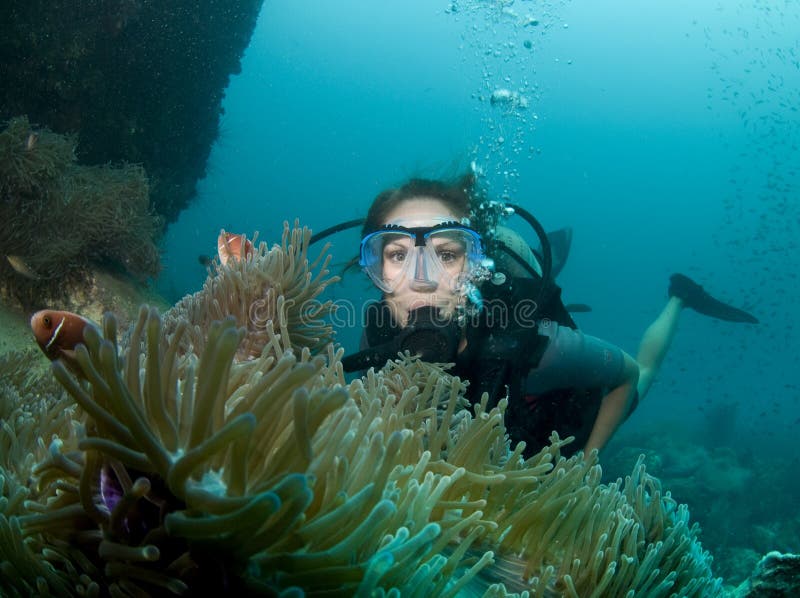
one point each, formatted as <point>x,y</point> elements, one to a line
<point>60,217</point>
<point>198,470</point>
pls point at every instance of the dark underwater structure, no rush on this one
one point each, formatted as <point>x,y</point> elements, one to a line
<point>111,486</point>
<point>138,81</point>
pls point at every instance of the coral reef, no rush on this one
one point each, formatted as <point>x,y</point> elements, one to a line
<point>737,529</point>
<point>191,467</point>
<point>58,216</point>
<point>142,82</point>
<point>775,574</point>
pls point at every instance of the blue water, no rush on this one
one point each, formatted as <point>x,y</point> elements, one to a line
<point>666,135</point>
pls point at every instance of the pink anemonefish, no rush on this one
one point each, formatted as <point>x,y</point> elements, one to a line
<point>233,246</point>
<point>58,333</point>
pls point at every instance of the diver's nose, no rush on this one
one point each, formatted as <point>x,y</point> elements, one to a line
<point>422,280</point>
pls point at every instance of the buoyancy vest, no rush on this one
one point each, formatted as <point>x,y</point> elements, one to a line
<point>503,346</point>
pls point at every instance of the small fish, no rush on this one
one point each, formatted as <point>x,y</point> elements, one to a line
<point>21,267</point>
<point>58,333</point>
<point>30,142</point>
<point>232,246</point>
<point>205,260</point>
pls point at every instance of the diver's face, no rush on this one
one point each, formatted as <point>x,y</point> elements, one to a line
<point>412,292</point>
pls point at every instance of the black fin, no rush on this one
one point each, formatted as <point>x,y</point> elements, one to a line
<point>578,308</point>
<point>695,297</point>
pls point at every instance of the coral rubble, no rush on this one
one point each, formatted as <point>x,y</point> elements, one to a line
<point>190,465</point>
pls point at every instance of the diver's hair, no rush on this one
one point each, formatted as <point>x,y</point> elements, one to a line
<point>456,195</point>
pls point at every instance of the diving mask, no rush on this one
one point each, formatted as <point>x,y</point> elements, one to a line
<point>428,257</point>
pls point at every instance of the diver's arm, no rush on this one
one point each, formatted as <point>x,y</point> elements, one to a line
<point>614,407</point>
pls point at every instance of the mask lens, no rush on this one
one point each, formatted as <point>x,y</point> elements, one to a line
<point>427,257</point>
<point>385,257</point>
<point>453,248</point>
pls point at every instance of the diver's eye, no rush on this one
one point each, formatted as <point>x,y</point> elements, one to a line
<point>448,257</point>
<point>47,321</point>
<point>396,256</point>
<point>450,254</point>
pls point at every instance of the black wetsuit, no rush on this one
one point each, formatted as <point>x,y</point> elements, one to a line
<point>553,374</point>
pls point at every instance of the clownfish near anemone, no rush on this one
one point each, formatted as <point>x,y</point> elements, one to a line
<point>58,333</point>
<point>231,246</point>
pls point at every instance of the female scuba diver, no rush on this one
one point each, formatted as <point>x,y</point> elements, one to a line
<point>503,326</point>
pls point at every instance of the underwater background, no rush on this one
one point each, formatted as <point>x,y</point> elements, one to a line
<point>666,137</point>
<point>665,134</point>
